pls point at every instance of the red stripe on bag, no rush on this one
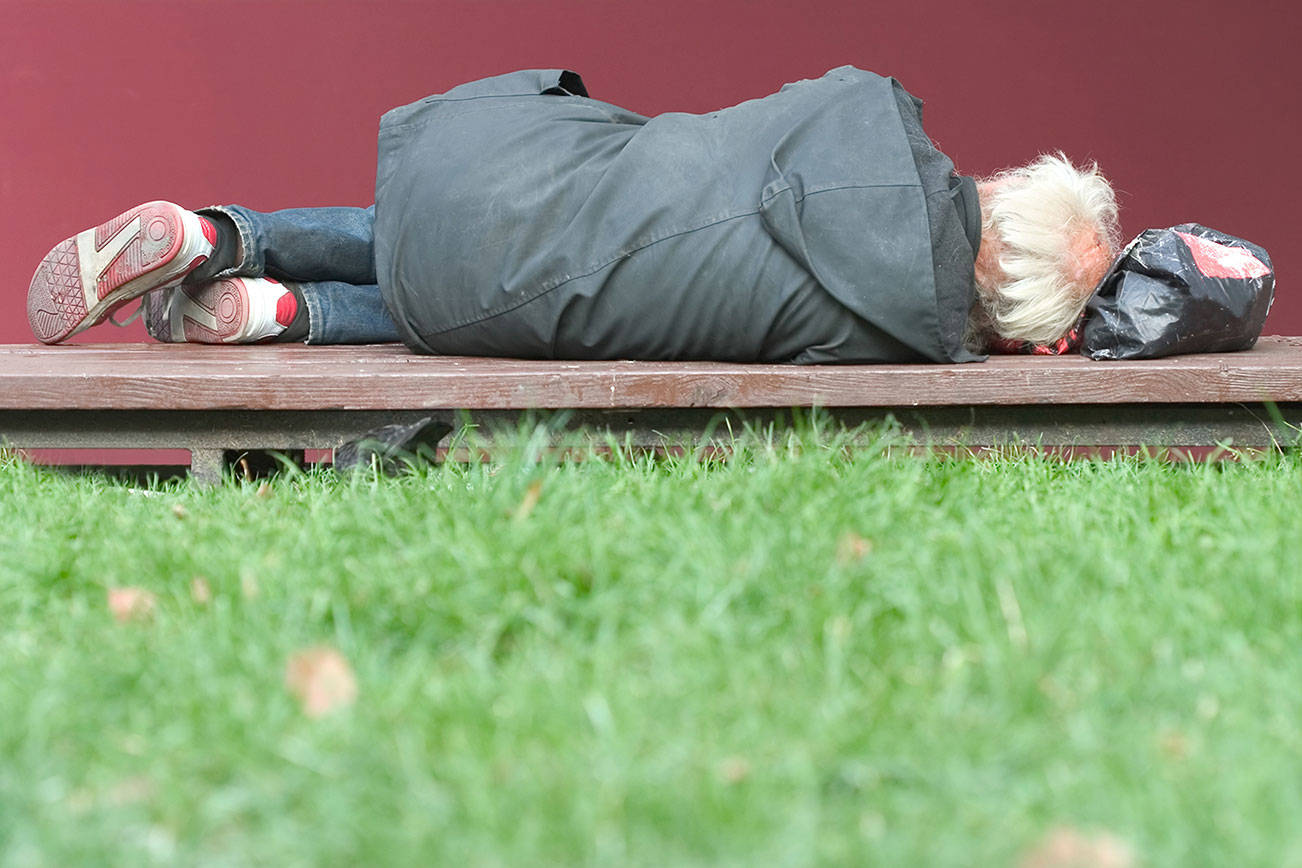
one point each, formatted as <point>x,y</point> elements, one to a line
<point>1221,260</point>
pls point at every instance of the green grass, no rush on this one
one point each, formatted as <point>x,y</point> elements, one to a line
<point>797,654</point>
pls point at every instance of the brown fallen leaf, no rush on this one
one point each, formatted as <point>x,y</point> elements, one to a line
<point>321,680</point>
<point>529,501</point>
<point>852,547</point>
<point>1174,744</point>
<point>179,510</point>
<point>80,800</point>
<point>130,791</point>
<point>131,604</point>
<point>734,769</point>
<point>265,490</point>
<point>199,591</point>
<point>1065,847</point>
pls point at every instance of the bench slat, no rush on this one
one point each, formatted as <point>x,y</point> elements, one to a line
<point>195,377</point>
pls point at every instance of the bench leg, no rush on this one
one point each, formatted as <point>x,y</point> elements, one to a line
<point>206,465</point>
<point>259,463</point>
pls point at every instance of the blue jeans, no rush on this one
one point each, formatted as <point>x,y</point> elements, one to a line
<point>329,253</point>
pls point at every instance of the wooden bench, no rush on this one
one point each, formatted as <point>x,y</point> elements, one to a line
<point>211,399</point>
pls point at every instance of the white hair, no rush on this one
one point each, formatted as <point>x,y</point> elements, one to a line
<point>1053,229</point>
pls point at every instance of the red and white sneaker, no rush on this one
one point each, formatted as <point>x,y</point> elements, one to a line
<point>233,310</point>
<point>90,275</point>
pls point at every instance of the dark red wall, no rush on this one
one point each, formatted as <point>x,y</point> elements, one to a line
<point>1192,108</point>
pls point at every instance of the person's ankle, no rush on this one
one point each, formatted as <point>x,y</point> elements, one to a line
<point>228,251</point>
<point>299,326</point>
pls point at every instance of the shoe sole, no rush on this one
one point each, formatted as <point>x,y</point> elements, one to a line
<point>215,315</point>
<point>93,273</point>
<point>220,312</point>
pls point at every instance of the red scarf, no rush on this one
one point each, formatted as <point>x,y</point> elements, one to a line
<point>1068,343</point>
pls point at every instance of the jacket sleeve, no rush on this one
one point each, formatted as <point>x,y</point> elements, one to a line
<point>526,82</point>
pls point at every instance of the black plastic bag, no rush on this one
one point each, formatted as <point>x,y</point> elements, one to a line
<point>1187,289</point>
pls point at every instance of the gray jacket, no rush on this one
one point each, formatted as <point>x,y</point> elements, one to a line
<point>516,216</point>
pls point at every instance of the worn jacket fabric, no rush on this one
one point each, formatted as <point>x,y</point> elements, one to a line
<point>517,216</point>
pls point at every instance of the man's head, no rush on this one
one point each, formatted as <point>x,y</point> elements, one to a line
<point>1048,234</point>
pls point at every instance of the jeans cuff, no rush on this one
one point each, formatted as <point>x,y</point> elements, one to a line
<point>250,264</point>
<point>315,323</point>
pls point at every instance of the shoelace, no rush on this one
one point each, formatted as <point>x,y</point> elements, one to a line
<point>140,308</point>
<point>135,315</point>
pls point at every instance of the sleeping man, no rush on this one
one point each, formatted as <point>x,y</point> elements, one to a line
<point>516,216</point>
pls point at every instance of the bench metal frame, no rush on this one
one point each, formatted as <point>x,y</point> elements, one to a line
<point>211,400</point>
<point>211,435</point>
